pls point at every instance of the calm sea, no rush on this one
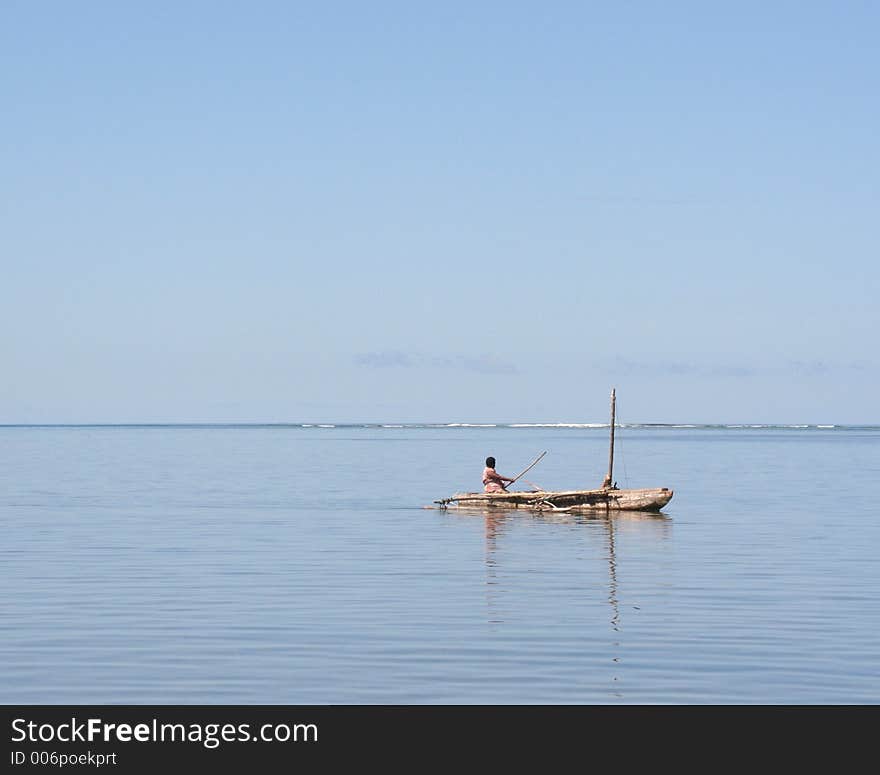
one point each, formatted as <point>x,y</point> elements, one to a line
<point>294,565</point>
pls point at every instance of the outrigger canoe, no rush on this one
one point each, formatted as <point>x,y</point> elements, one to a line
<point>607,498</point>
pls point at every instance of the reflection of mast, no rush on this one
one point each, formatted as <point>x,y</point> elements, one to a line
<point>612,590</point>
<point>612,571</point>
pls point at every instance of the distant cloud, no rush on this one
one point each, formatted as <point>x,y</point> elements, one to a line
<point>663,368</point>
<point>620,367</point>
<point>822,368</point>
<point>730,370</point>
<point>388,359</point>
<point>483,364</point>
<point>629,368</point>
<point>395,359</point>
<point>809,368</point>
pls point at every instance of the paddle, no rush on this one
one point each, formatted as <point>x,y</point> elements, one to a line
<point>527,469</point>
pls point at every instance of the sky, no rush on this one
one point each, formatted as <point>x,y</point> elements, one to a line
<point>439,212</point>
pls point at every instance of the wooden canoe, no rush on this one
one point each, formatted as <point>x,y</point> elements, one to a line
<point>605,499</point>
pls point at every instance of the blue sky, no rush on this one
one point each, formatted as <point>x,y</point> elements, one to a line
<point>439,212</point>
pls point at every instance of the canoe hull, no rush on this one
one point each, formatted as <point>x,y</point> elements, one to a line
<point>568,500</point>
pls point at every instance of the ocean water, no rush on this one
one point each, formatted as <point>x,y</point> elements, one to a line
<point>293,565</point>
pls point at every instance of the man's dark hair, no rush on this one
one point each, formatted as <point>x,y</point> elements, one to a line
<point>490,462</point>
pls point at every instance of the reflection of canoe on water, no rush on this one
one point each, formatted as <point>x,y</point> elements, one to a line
<point>606,498</point>
<point>568,500</point>
<point>501,516</point>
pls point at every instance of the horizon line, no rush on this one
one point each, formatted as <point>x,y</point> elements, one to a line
<point>393,424</point>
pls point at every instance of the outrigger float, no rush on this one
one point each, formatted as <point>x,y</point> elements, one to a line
<point>607,498</point>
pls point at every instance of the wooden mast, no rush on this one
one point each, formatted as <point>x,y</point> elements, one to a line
<point>609,479</point>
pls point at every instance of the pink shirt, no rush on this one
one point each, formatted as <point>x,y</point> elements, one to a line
<point>491,482</point>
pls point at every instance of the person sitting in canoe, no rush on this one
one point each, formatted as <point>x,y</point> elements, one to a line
<point>492,480</point>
